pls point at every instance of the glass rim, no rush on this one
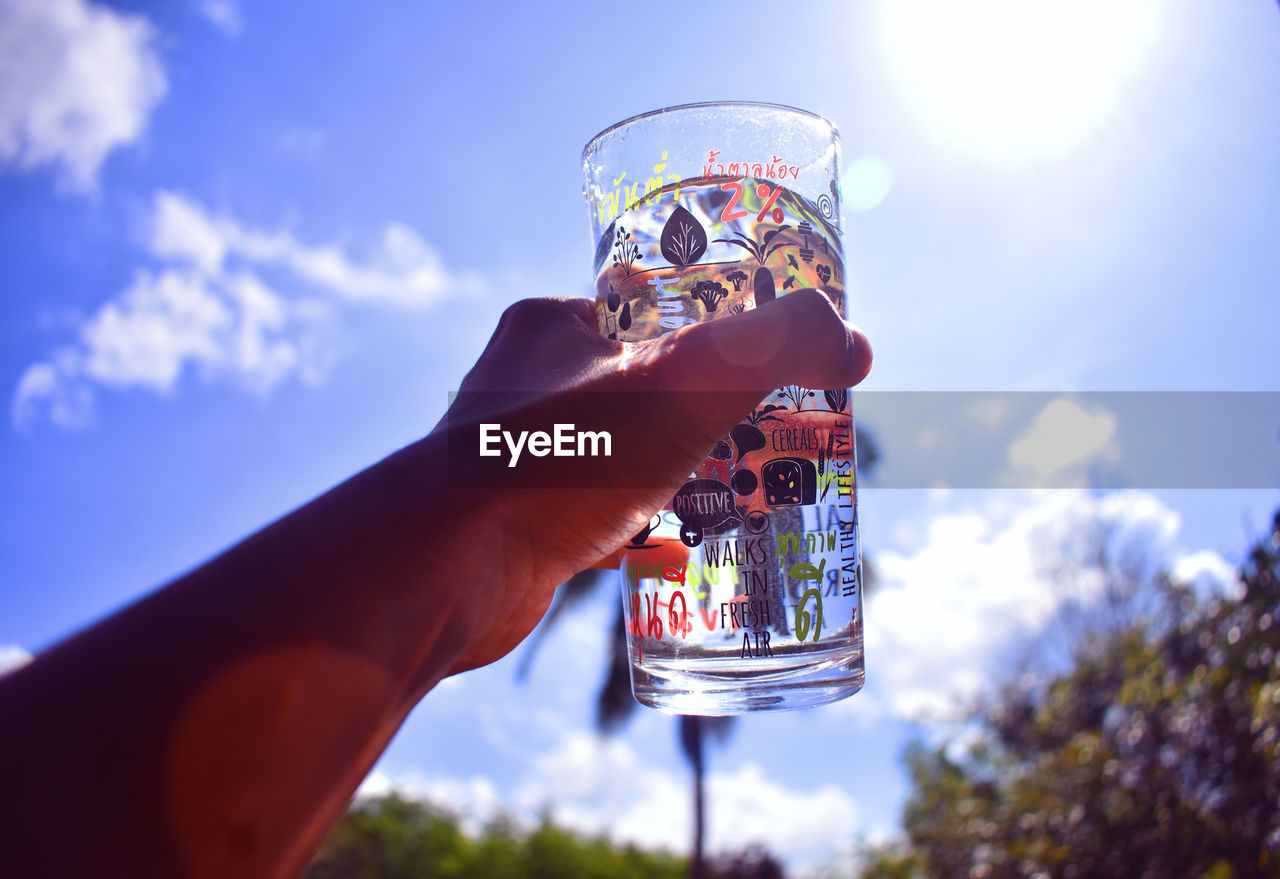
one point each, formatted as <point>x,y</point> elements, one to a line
<point>765,105</point>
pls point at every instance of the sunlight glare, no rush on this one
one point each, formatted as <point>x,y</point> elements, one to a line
<point>1018,76</point>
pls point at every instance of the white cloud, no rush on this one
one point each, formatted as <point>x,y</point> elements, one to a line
<point>402,270</point>
<point>595,785</point>
<point>77,80</point>
<point>44,391</point>
<point>222,14</point>
<point>183,232</point>
<point>941,621</point>
<point>12,656</point>
<point>1063,439</point>
<point>202,308</point>
<point>158,324</point>
<point>1208,574</point>
<point>602,786</point>
<point>474,801</point>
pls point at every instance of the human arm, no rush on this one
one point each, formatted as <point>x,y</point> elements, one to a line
<point>219,726</point>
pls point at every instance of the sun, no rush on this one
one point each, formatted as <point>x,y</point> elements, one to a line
<point>1016,77</point>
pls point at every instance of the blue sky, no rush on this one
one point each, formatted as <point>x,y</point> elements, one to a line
<point>249,251</point>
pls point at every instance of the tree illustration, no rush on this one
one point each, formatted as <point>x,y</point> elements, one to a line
<point>764,413</point>
<point>736,278</point>
<point>709,293</point>
<point>763,285</point>
<point>796,394</point>
<point>625,252</point>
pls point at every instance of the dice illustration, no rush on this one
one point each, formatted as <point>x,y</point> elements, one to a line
<point>789,482</point>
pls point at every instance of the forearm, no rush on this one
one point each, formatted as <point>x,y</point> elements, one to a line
<point>218,726</point>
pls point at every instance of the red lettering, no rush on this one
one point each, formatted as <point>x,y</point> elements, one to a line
<point>729,214</point>
<point>708,618</point>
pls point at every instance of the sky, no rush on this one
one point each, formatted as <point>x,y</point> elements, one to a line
<point>249,252</point>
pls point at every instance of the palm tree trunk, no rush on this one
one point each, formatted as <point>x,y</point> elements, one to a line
<point>694,734</point>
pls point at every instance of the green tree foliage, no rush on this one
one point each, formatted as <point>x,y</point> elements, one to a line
<point>394,838</point>
<point>1156,755</point>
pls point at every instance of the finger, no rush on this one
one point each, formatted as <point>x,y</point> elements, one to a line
<point>538,344</point>
<point>583,309</point>
<point>531,315</point>
<point>798,339</point>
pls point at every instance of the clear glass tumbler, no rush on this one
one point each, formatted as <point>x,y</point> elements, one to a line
<point>700,212</point>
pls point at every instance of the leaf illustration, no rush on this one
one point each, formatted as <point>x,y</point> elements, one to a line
<point>749,246</point>
<point>683,238</point>
<point>769,236</point>
<point>836,399</point>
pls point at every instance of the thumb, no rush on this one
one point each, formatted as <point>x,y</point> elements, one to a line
<point>796,339</point>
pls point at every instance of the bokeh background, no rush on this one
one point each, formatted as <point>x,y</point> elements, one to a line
<point>249,248</point>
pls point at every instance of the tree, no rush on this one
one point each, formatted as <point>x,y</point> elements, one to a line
<point>394,838</point>
<point>1157,754</point>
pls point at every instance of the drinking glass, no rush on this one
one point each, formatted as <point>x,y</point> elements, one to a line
<point>701,212</point>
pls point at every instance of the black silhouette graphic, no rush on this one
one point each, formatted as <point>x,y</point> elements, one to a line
<point>683,238</point>
<point>736,278</point>
<point>789,282</point>
<point>610,321</point>
<point>625,252</point>
<point>796,394</point>
<point>762,285</point>
<point>765,413</point>
<point>703,505</point>
<point>602,248</point>
<point>824,272</point>
<point>748,438</point>
<point>722,451</point>
<point>709,293</point>
<point>624,319</point>
<point>641,538</point>
<point>806,252</point>
<point>789,482</point>
<point>837,399</point>
<point>744,482</point>
<point>791,260</point>
<point>757,521</point>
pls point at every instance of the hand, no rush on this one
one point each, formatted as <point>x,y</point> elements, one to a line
<point>542,535</point>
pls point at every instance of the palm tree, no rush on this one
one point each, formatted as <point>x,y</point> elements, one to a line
<point>615,705</point>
